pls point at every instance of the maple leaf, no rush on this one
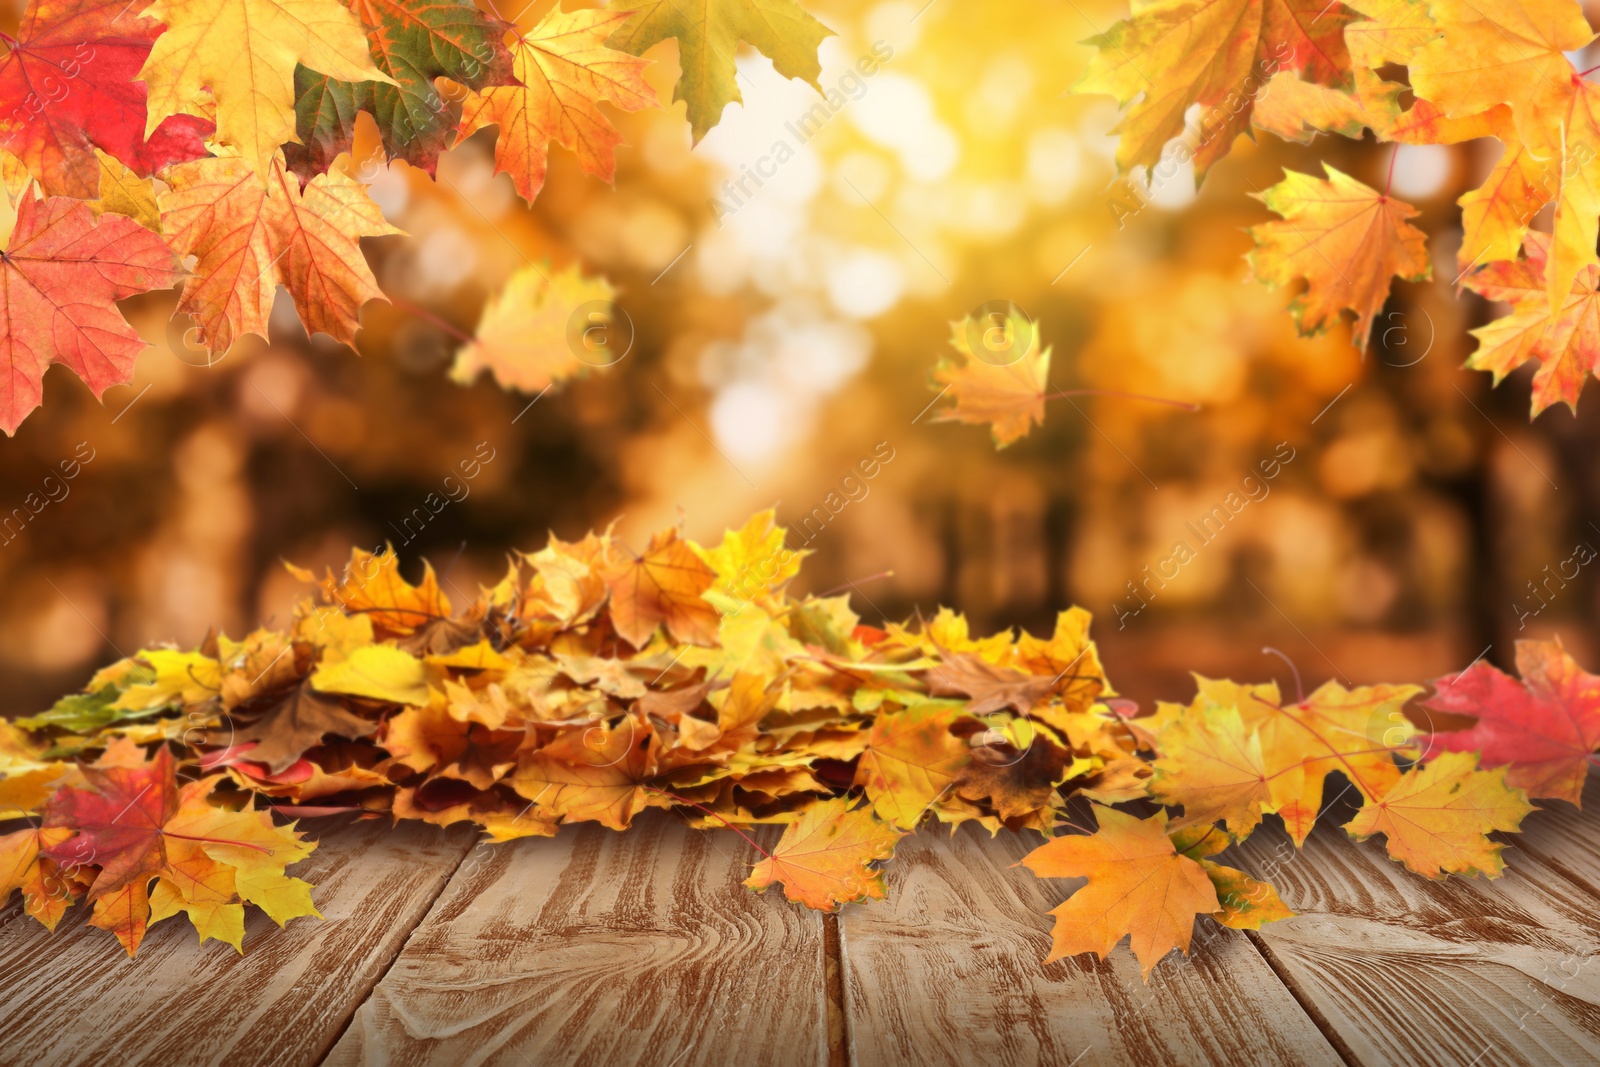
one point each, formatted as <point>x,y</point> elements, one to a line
<point>413,42</point>
<point>1215,770</point>
<point>1247,904</point>
<point>824,858</point>
<point>1437,818</point>
<point>565,69</point>
<point>62,271</point>
<point>663,586</point>
<point>47,889</point>
<point>709,32</point>
<point>996,386</point>
<point>1345,240</point>
<point>1140,886</point>
<point>377,672</point>
<point>119,819</point>
<point>1018,777</point>
<point>1564,340</point>
<point>123,192</point>
<point>990,688</point>
<point>754,561</point>
<point>1543,729</point>
<point>911,760</point>
<point>431,738</point>
<point>244,52</point>
<point>373,586</point>
<point>527,337</point>
<point>250,237</point>
<point>593,775</point>
<point>1173,54</point>
<point>293,724</point>
<point>67,90</point>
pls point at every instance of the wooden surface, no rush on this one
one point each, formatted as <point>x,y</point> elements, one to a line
<point>598,948</point>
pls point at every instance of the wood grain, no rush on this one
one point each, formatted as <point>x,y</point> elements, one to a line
<point>597,947</point>
<point>948,971</point>
<point>1464,971</point>
<point>74,997</point>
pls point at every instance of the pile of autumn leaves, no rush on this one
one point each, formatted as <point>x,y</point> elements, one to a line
<point>208,142</point>
<point>593,683</point>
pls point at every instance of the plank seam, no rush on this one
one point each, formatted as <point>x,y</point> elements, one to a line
<point>1307,1005</point>
<point>838,1020</point>
<point>422,917</point>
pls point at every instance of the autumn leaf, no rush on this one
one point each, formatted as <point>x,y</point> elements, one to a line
<point>1543,730</point>
<point>63,270</point>
<point>912,759</point>
<point>566,69</point>
<point>249,238</point>
<point>67,91</point>
<point>244,52</point>
<point>1139,887</point>
<point>662,587</point>
<point>824,858</point>
<point>118,819</point>
<point>1345,240</point>
<point>48,890</point>
<point>1174,54</point>
<point>1437,818</point>
<point>377,672</point>
<point>709,33</point>
<point>1215,770</point>
<point>1565,342</point>
<point>754,561</point>
<point>591,775</point>
<point>123,192</point>
<point>300,719</point>
<point>529,338</point>
<point>990,688</point>
<point>1495,216</point>
<point>373,586</point>
<point>413,42</point>
<point>1017,778</point>
<point>992,383</point>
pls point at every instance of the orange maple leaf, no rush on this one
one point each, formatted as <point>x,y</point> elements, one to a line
<point>566,70</point>
<point>1346,240</point>
<point>824,858</point>
<point>1139,887</point>
<point>992,383</point>
<point>663,586</point>
<point>911,760</point>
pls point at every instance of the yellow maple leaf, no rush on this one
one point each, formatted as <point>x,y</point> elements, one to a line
<point>1214,768</point>
<point>1346,240</point>
<point>824,858</point>
<point>753,561</point>
<point>912,759</point>
<point>591,775</point>
<point>377,672</point>
<point>993,383</point>
<point>527,337</point>
<point>245,52</point>
<point>1140,887</point>
<point>1437,818</point>
<point>372,586</point>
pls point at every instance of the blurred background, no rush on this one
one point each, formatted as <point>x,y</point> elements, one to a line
<point>779,340</point>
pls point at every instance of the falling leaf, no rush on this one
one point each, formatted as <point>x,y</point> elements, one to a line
<point>566,70</point>
<point>1345,240</point>
<point>1008,393</point>
<point>708,36</point>
<point>528,337</point>
<point>824,858</point>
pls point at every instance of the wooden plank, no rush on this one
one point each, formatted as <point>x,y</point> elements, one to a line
<point>1465,971</point>
<point>598,947</point>
<point>74,997</point>
<point>948,971</point>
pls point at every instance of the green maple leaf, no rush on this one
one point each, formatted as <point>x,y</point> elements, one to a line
<point>414,42</point>
<point>709,32</point>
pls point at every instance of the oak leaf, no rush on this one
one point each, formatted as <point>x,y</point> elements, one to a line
<point>1437,818</point>
<point>244,52</point>
<point>414,42</point>
<point>67,92</point>
<point>709,32</point>
<point>1543,730</point>
<point>62,271</point>
<point>824,858</point>
<point>1139,887</point>
<point>1346,240</point>
<point>565,68</point>
<point>527,336</point>
<point>251,232</point>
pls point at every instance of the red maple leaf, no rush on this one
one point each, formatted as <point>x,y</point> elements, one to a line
<point>119,822</point>
<point>67,86</point>
<point>1544,727</point>
<point>60,278</point>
